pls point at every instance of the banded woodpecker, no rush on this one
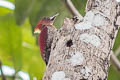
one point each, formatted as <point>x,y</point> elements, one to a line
<point>46,31</point>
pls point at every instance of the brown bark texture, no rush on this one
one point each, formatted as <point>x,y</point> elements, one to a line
<point>81,50</point>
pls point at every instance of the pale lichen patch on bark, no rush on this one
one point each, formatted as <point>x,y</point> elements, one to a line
<point>77,59</point>
<point>89,16</point>
<point>86,72</point>
<point>99,20</point>
<point>87,22</point>
<point>92,39</point>
<point>83,25</point>
<point>60,75</point>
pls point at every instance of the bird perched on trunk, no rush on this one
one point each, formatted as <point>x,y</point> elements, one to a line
<point>46,31</point>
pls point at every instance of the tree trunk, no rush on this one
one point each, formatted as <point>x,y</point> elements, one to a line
<point>81,50</point>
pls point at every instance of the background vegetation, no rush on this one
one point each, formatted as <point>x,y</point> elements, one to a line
<point>18,45</point>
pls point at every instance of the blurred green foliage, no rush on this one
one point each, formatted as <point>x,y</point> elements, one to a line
<point>80,5</point>
<point>18,48</point>
<point>11,34</point>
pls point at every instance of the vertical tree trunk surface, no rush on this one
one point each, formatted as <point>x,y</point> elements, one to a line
<point>81,50</point>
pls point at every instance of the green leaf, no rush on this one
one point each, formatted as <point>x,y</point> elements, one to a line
<point>22,10</point>
<point>37,68</point>
<point>113,74</point>
<point>11,1</point>
<point>10,42</point>
<point>117,41</point>
<point>32,61</point>
<point>4,11</point>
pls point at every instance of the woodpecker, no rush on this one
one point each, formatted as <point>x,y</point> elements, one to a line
<point>46,30</point>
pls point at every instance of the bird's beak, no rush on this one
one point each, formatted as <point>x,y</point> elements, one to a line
<point>37,31</point>
<point>54,17</point>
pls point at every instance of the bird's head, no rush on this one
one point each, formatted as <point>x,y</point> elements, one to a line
<point>44,22</point>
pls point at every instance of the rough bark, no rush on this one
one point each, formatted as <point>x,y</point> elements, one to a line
<point>81,51</point>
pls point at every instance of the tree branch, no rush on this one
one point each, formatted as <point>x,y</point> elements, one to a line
<point>115,60</point>
<point>72,9</point>
<point>2,74</point>
<point>117,51</point>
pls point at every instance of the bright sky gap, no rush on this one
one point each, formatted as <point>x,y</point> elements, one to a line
<point>7,4</point>
<point>8,71</point>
